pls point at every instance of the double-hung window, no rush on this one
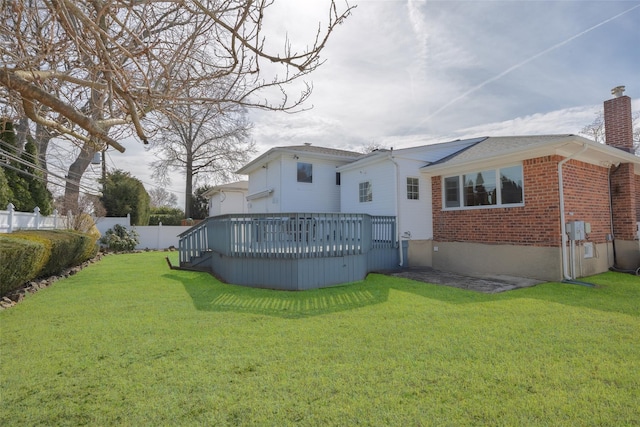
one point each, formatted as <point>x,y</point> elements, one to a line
<point>413,188</point>
<point>490,187</point>
<point>365,193</point>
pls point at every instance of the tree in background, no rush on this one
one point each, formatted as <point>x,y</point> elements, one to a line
<point>199,203</point>
<point>202,141</point>
<point>24,176</point>
<point>123,194</point>
<point>94,71</point>
<point>161,198</point>
<point>5,191</point>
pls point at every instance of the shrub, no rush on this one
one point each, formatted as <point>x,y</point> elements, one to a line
<point>166,215</point>
<point>120,239</point>
<point>24,257</point>
<point>62,248</point>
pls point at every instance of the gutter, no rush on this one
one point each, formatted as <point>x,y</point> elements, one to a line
<point>396,179</point>
<point>563,226</point>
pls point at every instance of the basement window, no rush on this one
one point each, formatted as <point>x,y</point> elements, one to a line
<point>485,188</point>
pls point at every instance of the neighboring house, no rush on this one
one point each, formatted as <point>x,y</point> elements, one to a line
<point>300,178</point>
<point>227,198</point>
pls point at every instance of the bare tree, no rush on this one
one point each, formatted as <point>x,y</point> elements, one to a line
<point>87,69</point>
<point>137,56</point>
<point>160,197</point>
<point>202,141</point>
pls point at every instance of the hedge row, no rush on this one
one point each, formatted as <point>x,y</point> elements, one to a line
<point>30,254</point>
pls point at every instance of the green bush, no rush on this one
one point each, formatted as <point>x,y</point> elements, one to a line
<point>19,262</point>
<point>166,215</point>
<point>56,251</point>
<point>119,239</point>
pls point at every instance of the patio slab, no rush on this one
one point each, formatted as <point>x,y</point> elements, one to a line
<point>484,283</point>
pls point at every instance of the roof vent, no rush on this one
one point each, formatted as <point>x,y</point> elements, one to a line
<point>617,91</point>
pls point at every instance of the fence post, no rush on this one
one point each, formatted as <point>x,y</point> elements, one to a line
<point>159,234</point>
<point>55,219</point>
<point>36,212</point>
<point>11,208</point>
<point>128,220</point>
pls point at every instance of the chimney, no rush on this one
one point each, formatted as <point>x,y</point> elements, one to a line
<point>617,120</point>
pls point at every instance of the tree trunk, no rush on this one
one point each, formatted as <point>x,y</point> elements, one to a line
<point>76,170</point>
<point>188,202</point>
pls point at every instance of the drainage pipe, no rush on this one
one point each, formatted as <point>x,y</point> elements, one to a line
<point>395,205</point>
<point>563,226</point>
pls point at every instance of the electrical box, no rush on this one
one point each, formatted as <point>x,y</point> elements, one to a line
<point>575,230</point>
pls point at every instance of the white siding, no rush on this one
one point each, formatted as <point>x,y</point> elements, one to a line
<point>228,202</point>
<point>382,178</point>
<point>414,216</point>
<point>321,195</point>
<point>262,179</point>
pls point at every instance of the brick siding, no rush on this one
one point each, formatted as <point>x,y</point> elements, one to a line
<point>537,223</point>
<point>618,123</point>
<point>624,194</point>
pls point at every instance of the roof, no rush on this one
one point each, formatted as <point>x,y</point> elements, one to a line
<point>429,153</point>
<point>505,148</point>
<point>232,186</point>
<point>308,149</point>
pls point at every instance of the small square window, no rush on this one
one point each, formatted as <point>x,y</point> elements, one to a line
<point>364,192</point>
<point>413,188</point>
<point>305,172</point>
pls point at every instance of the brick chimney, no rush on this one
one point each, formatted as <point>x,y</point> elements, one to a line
<point>617,120</point>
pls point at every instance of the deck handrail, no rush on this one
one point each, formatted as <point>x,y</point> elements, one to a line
<point>288,235</point>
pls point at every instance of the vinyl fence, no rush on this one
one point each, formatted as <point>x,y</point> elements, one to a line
<point>150,237</point>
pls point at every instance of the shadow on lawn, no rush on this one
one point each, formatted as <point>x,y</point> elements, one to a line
<point>614,293</point>
<point>212,295</point>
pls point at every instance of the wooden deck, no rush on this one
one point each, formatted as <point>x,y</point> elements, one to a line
<point>292,251</point>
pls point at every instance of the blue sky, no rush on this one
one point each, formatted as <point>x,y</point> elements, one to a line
<point>403,73</point>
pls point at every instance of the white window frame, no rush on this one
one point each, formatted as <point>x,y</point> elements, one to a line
<point>365,194</point>
<point>417,188</point>
<point>310,175</point>
<point>461,200</point>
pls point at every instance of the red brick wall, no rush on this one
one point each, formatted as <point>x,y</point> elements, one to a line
<point>637,198</point>
<point>618,124</point>
<point>625,201</point>
<point>538,222</point>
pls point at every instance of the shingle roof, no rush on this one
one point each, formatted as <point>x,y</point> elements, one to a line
<point>500,144</point>
<point>320,150</point>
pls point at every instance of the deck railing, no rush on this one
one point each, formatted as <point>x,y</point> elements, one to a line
<point>288,235</point>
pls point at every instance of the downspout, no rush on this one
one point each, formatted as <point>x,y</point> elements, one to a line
<point>563,226</point>
<point>396,179</point>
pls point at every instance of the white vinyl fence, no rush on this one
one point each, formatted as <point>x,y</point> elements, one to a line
<point>150,237</point>
<point>11,220</point>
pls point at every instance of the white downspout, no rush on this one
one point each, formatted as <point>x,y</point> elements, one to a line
<point>563,225</point>
<point>397,195</point>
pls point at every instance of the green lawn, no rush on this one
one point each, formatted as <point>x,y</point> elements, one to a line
<point>129,342</point>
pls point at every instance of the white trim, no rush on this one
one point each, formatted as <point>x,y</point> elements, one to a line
<point>498,190</point>
<point>260,194</point>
